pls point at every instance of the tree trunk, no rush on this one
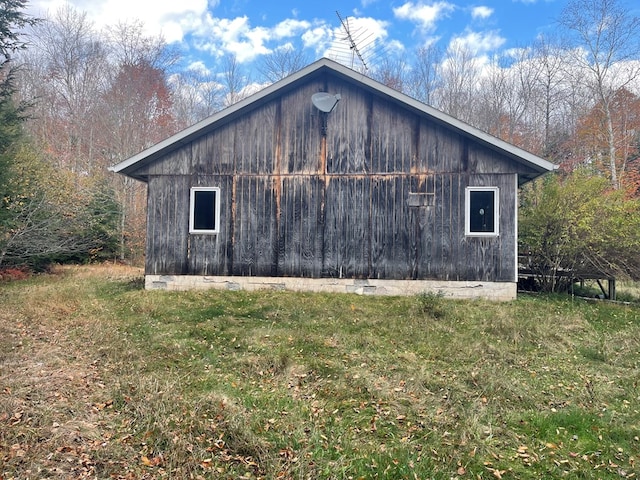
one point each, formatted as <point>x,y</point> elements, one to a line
<point>612,149</point>
<point>123,223</point>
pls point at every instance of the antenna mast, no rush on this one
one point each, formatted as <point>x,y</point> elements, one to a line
<point>352,42</point>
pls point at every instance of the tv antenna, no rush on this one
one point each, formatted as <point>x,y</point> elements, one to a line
<point>355,51</point>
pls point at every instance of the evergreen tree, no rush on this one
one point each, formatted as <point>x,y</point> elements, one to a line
<point>12,19</point>
<point>12,115</point>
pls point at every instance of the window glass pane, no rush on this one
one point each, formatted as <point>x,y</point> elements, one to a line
<point>481,211</point>
<point>204,210</point>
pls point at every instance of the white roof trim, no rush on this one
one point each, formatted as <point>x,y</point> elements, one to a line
<point>193,131</point>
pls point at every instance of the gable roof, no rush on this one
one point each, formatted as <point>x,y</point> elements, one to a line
<point>129,167</point>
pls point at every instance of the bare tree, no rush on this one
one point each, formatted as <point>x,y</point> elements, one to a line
<point>606,40</point>
<point>233,80</point>
<point>196,95</point>
<point>552,91</point>
<point>511,85</point>
<point>102,96</point>
<point>130,46</point>
<point>72,64</point>
<point>494,90</point>
<point>520,104</point>
<point>281,62</point>
<point>137,113</point>
<point>392,72</point>
<point>424,79</point>
<point>459,81</point>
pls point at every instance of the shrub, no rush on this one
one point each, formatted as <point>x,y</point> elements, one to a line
<point>579,223</point>
<point>432,304</point>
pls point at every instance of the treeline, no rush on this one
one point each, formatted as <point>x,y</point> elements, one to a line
<point>86,99</point>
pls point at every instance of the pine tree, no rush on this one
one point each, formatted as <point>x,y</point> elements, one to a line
<point>12,115</point>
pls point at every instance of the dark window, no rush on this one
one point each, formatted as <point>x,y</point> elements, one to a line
<point>482,211</point>
<point>205,210</point>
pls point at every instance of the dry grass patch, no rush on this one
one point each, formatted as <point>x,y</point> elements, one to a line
<point>101,379</point>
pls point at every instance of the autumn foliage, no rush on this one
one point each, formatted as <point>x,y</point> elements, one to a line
<point>578,224</point>
<point>588,148</point>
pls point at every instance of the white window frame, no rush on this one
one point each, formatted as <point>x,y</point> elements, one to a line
<point>496,212</point>
<point>192,211</point>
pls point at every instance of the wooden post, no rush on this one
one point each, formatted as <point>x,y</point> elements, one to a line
<point>612,288</point>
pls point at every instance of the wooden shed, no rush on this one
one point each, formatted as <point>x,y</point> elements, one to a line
<point>330,181</point>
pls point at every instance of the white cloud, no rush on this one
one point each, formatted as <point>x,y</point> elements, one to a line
<point>478,42</point>
<point>193,24</point>
<point>481,12</point>
<point>218,36</point>
<point>424,14</point>
<point>199,68</point>
<point>168,18</point>
<point>319,38</point>
<point>289,28</point>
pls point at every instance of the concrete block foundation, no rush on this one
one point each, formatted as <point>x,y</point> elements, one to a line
<point>499,291</point>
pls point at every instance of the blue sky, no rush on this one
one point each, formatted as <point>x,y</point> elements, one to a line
<point>206,30</point>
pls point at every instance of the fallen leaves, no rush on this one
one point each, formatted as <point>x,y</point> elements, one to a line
<point>497,472</point>
<point>97,407</point>
<point>527,458</point>
<point>16,418</point>
<point>153,461</point>
<point>18,450</point>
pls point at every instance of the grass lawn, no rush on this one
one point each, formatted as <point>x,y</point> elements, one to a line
<point>102,379</point>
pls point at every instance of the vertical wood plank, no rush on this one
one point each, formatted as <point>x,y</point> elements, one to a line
<point>168,219</point>
<point>348,134</point>
<point>346,240</point>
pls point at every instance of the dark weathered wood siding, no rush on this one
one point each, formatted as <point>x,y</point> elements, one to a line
<point>381,196</point>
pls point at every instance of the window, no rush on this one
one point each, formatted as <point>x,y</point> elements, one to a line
<point>481,211</point>
<point>204,213</point>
